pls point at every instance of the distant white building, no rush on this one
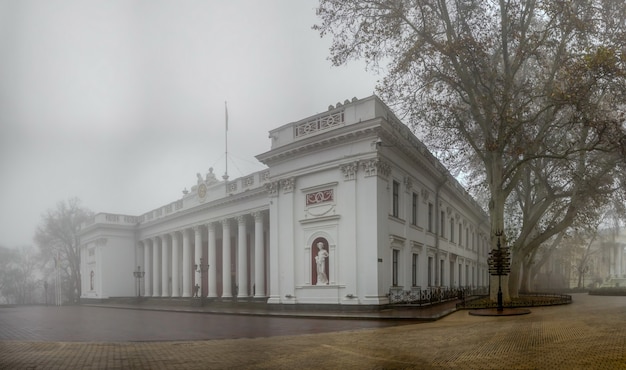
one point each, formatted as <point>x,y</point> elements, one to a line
<point>352,205</point>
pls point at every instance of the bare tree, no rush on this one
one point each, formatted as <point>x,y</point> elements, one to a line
<point>496,83</point>
<point>58,241</point>
<point>18,280</point>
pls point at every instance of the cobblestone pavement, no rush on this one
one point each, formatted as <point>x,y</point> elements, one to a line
<point>588,334</point>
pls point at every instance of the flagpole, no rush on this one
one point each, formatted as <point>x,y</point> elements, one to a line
<point>226,140</point>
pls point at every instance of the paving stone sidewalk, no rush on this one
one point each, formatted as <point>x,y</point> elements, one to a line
<point>588,334</point>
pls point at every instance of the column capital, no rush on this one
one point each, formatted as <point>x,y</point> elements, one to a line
<point>197,228</point>
<point>225,222</point>
<point>241,219</point>
<point>258,216</point>
<point>174,234</point>
<point>210,226</point>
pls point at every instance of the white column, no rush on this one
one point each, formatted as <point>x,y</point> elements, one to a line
<point>175,265</point>
<point>186,264</point>
<point>612,262</point>
<point>165,266</point>
<point>156,266</point>
<point>242,258</point>
<point>259,256</point>
<point>197,255</point>
<point>147,266</point>
<point>226,273</point>
<point>211,261</point>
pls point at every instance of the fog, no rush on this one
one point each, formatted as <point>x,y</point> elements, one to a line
<point>121,103</point>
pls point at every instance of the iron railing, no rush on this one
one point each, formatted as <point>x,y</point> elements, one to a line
<point>526,300</point>
<point>419,296</point>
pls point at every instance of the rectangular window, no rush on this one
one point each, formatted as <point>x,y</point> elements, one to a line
<point>441,272</point>
<point>460,234</point>
<point>451,230</point>
<point>441,222</point>
<point>473,276</point>
<point>467,237</point>
<point>394,267</point>
<point>430,217</point>
<point>452,282</point>
<point>396,200</point>
<point>414,269</point>
<point>414,210</point>
<point>430,271</point>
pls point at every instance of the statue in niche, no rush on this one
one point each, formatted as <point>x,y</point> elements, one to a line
<point>210,177</point>
<point>320,261</point>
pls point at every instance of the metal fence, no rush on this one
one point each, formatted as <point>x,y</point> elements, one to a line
<point>419,296</point>
<point>526,300</point>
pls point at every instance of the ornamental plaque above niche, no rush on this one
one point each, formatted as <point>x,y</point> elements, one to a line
<point>320,203</point>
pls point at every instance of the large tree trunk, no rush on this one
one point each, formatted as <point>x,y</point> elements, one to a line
<point>496,208</point>
<point>525,282</point>
<point>514,276</point>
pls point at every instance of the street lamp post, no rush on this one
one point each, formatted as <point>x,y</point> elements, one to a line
<point>202,268</point>
<point>499,265</point>
<point>138,274</point>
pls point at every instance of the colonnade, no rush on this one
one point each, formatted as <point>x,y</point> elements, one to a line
<point>616,260</point>
<point>175,257</point>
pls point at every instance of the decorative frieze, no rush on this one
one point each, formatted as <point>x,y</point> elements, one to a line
<point>247,182</point>
<point>272,188</point>
<point>319,124</point>
<point>408,182</point>
<point>288,185</point>
<point>112,218</point>
<point>318,197</point>
<point>264,176</point>
<point>349,170</point>
<point>375,167</point>
<point>425,195</point>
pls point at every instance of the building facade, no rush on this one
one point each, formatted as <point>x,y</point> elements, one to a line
<point>351,206</point>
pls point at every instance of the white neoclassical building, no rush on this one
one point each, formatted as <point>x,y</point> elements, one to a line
<point>351,206</point>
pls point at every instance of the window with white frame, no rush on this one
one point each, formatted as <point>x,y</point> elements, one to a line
<point>430,217</point>
<point>394,267</point>
<point>396,199</point>
<point>414,264</point>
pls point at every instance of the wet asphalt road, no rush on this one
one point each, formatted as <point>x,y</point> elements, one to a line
<point>97,324</point>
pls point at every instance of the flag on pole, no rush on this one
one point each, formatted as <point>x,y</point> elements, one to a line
<point>226,114</point>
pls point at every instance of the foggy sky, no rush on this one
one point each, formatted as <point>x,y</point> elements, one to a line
<point>121,103</point>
